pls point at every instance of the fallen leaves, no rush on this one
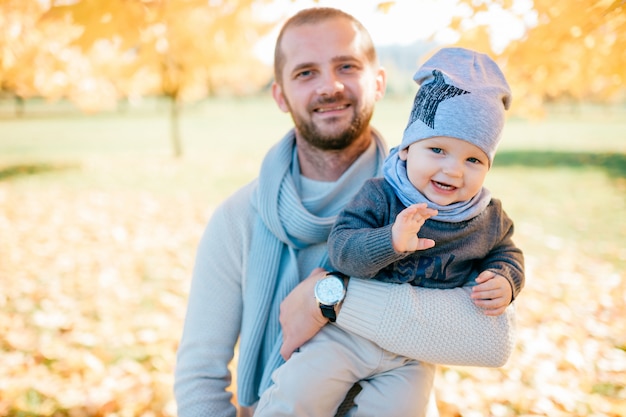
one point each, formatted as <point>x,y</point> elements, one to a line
<point>94,286</point>
<point>94,290</point>
<point>569,359</point>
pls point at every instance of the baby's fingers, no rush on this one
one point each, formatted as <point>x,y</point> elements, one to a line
<point>420,212</point>
<point>424,211</point>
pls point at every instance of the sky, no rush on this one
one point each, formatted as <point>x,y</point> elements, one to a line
<point>409,20</point>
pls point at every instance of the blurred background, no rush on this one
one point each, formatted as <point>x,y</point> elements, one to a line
<point>123,123</point>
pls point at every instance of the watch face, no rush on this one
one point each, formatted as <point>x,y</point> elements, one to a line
<point>330,290</point>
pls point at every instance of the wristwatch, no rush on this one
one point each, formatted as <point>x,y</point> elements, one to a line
<point>330,291</point>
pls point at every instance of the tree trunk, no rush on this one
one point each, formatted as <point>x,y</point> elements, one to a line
<point>19,106</point>
<point>175,126</point>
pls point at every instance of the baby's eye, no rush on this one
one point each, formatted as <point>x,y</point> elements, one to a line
<point>436,150</point>
<point>473,160</point>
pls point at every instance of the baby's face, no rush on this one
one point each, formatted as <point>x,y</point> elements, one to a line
<point>445,169</point>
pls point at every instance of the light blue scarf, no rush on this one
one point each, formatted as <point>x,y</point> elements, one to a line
<point>394,171</point>
<point>283,227</point>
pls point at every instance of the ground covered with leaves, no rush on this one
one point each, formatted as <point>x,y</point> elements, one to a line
<point>94,286</point>
<point>96,255</point>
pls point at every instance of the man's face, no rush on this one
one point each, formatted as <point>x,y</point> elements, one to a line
<point>328,85</point>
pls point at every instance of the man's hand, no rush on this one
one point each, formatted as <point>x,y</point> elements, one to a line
<point>493,293</point>
<point>300,315</point>
<point>406,226</point>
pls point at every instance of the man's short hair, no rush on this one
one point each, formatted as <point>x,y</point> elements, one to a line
<point>315,15</point>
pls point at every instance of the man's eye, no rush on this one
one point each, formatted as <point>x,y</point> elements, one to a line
<point>304,74</point>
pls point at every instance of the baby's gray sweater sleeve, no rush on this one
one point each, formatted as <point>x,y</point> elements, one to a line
<point>359,244</point>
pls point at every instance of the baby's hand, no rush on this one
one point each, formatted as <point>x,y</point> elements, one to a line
<point>493,293</point>
<point>408,223</point>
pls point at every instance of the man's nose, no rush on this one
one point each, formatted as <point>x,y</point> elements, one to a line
<point>329,85</point>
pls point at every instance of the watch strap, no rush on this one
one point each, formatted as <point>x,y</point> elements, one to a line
<point>337,274</point>
<point>328,312</point>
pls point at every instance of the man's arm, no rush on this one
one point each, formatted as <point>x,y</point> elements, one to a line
<point>431,325</point>
<point>213,318</point>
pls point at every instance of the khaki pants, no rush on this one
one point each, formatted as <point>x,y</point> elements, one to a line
<point>316,379</point>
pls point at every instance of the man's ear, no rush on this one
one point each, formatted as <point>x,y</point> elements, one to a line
<point>279,98</point>
<point>381,83</point>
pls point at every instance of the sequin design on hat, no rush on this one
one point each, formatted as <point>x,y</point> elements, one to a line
<point>429,96</point>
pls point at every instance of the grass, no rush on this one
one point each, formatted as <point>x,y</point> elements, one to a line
<point>573,167</point>
<point>99,224</point>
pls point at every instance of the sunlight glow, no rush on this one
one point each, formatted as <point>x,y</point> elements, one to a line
<point>407,21</point>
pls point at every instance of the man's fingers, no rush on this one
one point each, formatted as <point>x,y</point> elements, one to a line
<point>287,350</point>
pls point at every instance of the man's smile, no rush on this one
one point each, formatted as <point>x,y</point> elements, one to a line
<point>331,109</point>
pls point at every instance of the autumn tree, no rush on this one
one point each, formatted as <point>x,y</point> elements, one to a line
<point>582,60</point>
<point>95,52</point>
<point>13,21</point>
<point>572,49</point>
<point>183,49</point>
<point>34,57</point>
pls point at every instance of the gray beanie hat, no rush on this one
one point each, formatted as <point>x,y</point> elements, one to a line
<point>463,94</point>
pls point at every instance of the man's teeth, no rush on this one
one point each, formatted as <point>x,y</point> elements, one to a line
<point>331,109</point>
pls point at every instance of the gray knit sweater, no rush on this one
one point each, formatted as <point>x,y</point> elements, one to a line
<point>360,244</point>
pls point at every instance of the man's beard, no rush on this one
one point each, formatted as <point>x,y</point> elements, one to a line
<point>310,132</point>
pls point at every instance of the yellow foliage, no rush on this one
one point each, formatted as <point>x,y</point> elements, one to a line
<point>585,51</point>
<point>187,49</point>
<point>18,45</point>
<point>576,51</point>
<point>38,58</point>
<point>100,19</point>
<point>385,6</point>
<point>95,52</point>
<point>182,49</point>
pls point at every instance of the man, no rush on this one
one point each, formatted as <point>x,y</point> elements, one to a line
<point>269,235</point>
